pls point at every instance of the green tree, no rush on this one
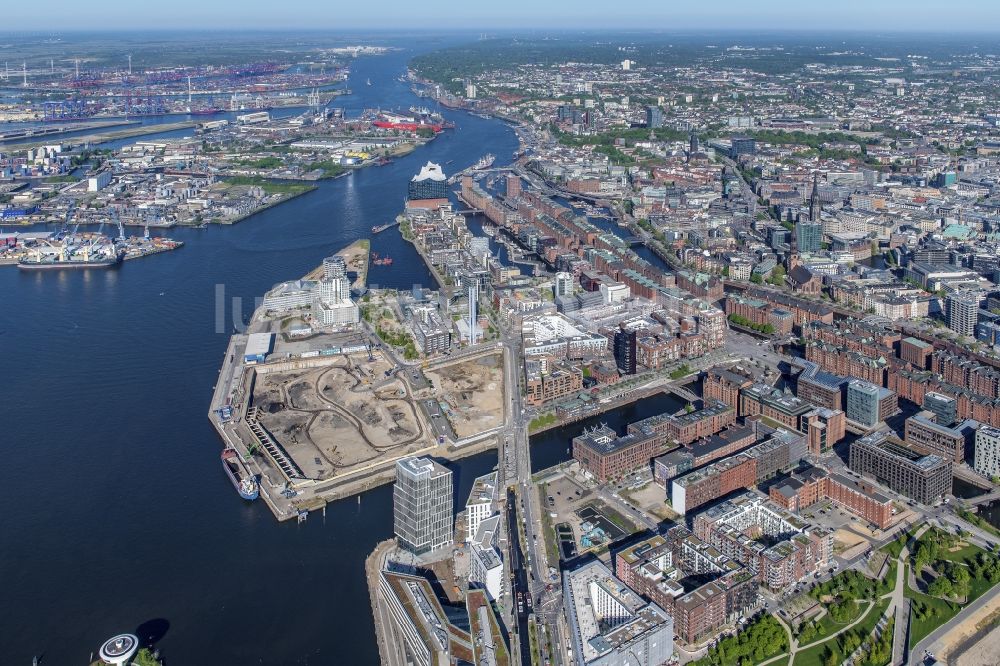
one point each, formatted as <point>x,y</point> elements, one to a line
<point>940,587</point>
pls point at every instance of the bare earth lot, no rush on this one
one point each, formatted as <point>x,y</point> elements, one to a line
<point>472,392</point>
<point>341,416</point>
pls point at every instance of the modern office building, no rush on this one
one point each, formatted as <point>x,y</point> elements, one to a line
<point>987,460</point>
<point>767,401</point>
<point>482,503</point>
<point>868,404</point>
<point>821,388</point>
<point>742,470</point>
<point>419,626</point>
<point>742,145</point>
<point>962,309</point>
<point>924,478</point>
<point>609,624</point>
<point>824,428</point>
<point>422,505</point>
<point>605,455</point>
<point>626,350</point>
<point>944,408</point>
<point>654,117</point>
<point>485,560</point>
<point>564,284</point>
<point>808,236</point>
<point>689,427</point>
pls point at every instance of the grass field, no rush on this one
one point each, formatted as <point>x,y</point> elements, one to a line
<point>813,656</point>
<point>919,629</point>
<point>828,626</point>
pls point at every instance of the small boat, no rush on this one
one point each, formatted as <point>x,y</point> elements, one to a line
<point>244,482</point>
<point>368,82</point>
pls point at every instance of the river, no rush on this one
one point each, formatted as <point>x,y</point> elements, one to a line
<point>117,511</point>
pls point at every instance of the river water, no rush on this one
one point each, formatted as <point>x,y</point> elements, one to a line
<point>117,514</point>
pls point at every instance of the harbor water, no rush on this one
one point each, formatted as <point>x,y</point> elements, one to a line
<point>117,512</point>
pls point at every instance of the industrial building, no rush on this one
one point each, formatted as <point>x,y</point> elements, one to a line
<point>258,347</point>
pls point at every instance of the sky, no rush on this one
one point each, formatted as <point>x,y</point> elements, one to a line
<point>486,15</point>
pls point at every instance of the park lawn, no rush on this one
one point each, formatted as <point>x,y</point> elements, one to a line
<point>813,655</point>
<point>895,547</point>
<point>919,629</point>
<point>965,555</point>
<point>828,625</point>
<point>977,588</point>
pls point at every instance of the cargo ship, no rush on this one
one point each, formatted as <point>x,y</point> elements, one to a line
<point>244,482</point>
<point>413,121</point>
<point>31,264</point>
<point>485,162</point>
<point>67,256</point>
<point>208,111</point>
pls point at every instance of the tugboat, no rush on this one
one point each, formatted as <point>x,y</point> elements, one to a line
<point>244,482</point>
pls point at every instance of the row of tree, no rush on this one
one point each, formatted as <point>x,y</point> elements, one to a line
<point>762,639</point>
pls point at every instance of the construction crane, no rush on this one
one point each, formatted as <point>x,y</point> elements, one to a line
<point>69,216</point>
<point>118,221</point>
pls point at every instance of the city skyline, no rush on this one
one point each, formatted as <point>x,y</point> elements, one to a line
<point>851,15</point>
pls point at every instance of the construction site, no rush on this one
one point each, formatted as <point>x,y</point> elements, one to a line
<point>470,393</point>
<point>341,416</point>
<point>326,416</point>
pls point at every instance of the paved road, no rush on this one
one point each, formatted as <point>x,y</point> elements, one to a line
<point>929,643</point>
<point>515,470</point>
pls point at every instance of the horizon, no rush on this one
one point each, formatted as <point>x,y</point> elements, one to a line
<point>891,16</point>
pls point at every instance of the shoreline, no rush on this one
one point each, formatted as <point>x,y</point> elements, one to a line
<point>235,388</point>
<point>135,132</point>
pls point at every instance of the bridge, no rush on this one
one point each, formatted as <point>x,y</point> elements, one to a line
<point>679,390</point>
<point>983,499</point>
